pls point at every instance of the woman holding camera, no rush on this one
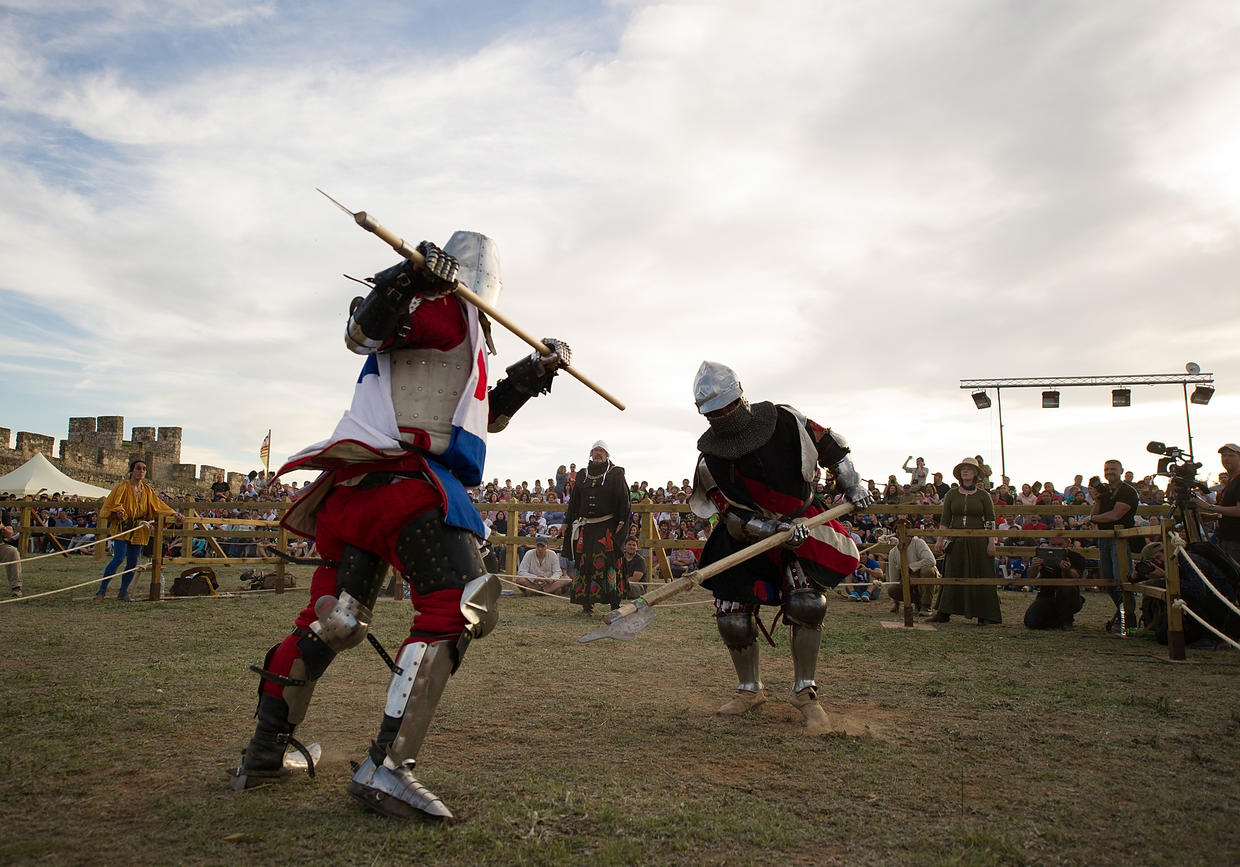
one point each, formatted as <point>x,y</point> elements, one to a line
<point>967,507</point>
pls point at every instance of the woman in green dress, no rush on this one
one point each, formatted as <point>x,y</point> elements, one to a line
<point>968,507</point>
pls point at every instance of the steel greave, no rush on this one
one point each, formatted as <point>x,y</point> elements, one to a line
<point>805,646</point>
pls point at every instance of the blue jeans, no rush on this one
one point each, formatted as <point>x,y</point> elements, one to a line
<point>121,550</point>
<point>1108,566</point>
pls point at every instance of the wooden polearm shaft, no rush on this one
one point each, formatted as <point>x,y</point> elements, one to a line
<point>692,579</point>
<point>370,224</point>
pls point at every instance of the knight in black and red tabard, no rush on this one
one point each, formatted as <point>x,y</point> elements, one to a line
<point>756,471</point>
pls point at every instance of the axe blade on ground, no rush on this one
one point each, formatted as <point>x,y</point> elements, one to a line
<point>623,628</point>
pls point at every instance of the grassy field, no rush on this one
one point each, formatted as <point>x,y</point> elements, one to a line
<point>968,745</point>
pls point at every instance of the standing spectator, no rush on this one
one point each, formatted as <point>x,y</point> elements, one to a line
<point>1115,505</point>
<point>598,509</point>
<point>12,560</point>
<point>1227,502</point>
<point>918,472</point>
<point>131,503</point>
<point>941,486</point>
<point>968,507</point>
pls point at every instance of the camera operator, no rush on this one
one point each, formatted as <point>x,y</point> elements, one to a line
<point>1227,505</point>
<point>12,560</point>
<point>1055,606</point>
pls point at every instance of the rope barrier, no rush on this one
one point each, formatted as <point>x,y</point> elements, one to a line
<point>1179,603</point>
<point>25,560</point>
<point>25,597</point>
<point>1179,548</point>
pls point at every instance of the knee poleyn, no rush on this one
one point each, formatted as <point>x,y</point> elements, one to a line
<point>342,622</point>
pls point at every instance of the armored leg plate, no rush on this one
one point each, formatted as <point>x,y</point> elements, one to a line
<point>393,790</point>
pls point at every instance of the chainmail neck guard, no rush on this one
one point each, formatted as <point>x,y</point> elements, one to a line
<point>739,432</point>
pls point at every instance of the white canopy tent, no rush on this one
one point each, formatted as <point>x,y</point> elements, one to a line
<point>40,475</point>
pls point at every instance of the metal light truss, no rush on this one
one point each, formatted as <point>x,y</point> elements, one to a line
<point>1068,381</point>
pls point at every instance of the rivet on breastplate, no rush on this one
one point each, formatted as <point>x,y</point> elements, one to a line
<point>436,418</point>
<point>415,415</point>
<point>439,391</point>
<point>409,361</point>
<point>419,388</point>
<point>455,393</point>
<point>444,363</point>
<point>424,362</point>
<point>458,367</point>
<point>402,388</point>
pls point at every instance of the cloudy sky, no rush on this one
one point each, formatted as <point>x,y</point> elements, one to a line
<point>855,205</point>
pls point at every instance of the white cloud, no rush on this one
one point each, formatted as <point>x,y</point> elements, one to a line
<point>855,205</point>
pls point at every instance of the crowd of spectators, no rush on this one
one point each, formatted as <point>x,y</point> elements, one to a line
<point>924,488</point>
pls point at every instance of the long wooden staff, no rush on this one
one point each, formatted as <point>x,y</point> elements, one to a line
<point>631,617</point>
<point>370,224</point>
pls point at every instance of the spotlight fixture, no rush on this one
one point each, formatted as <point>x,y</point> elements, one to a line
<point>1050,400</point>
<point>981,399</point>
<point>1202,394</point>
<point>1121,397</point>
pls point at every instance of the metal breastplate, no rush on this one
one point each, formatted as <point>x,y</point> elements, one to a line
<point>426,388</point>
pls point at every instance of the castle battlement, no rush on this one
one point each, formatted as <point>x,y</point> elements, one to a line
<point>96,451</point>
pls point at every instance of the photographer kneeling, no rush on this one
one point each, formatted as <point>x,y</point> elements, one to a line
<point>1055,606</point>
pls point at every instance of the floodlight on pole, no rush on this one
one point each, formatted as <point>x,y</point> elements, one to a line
<point>1202,394</point>
<point>1121,397</point>
<point>1050,400</point>
<point>981,399</point>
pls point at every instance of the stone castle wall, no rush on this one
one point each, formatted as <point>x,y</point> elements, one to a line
<point>96,451</point>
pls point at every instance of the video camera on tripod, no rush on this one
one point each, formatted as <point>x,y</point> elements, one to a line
<point>1177,466</point>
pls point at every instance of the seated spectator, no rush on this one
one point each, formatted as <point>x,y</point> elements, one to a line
<point>634,568</point>
<point>540,569</point>
<point>921,564</point>
<point>681,561</point>
<point>1027,497</point>
<point>867,580</point>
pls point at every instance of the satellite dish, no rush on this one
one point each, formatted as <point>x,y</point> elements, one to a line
<point>1193,368</point>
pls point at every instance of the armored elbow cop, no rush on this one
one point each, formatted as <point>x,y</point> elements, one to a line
<point>832,448</point>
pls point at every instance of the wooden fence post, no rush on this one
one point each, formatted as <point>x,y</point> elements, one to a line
<point>1124,555</point>
<point>24,531</point>
<point>157,557</point>
<point>1175,618</point>
<point>906,583</point>
<point>282,541</point>
<point>511,558</point>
